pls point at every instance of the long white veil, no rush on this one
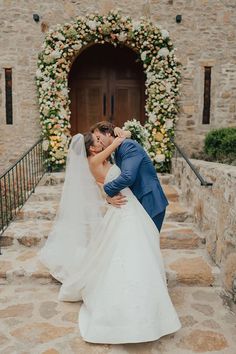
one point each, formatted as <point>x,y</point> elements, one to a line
<point>78,217</point>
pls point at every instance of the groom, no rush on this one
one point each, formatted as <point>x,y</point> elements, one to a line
<point>137,173</point>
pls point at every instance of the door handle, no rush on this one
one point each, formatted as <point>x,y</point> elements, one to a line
<point>112,105</point>
<point>104,104</point>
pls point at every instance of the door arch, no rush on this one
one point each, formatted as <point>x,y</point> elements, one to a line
<point>106,83</point>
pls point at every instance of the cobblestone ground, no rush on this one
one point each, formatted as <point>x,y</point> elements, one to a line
<point>34,321</point>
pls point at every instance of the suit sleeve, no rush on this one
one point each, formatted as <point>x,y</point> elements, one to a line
<point>130,162</point>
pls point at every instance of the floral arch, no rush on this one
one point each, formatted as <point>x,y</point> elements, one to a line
<point>64,42</point>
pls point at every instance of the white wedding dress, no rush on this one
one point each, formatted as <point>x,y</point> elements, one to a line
<point>121,279</point>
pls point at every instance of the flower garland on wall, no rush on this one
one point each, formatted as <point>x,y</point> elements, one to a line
<point>64,42</point>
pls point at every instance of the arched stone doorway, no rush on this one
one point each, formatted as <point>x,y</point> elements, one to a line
<point>106,83</point>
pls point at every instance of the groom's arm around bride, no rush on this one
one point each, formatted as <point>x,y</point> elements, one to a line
<point>139,174</point>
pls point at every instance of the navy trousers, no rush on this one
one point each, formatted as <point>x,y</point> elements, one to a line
<point>158,219</point>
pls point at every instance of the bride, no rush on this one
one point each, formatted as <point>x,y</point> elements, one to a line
<point>109,258</point>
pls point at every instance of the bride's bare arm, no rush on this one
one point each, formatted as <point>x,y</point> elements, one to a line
<point>103,155</point>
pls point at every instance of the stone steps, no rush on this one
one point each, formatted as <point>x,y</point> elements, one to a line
<point>58,178</point>
<point>42,209</point>
<point>47,193</point>
<point>182,246</point>
<point>46,209</point>
<point>30,233</point>
<point>183,267</point>
<point>178,212</point>
<point>176,235</point>
<point>190,267</point>
<point>42,192</point>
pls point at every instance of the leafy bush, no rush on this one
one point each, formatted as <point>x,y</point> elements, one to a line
<point>220,145</point>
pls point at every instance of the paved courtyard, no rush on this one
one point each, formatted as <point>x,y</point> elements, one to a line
<point>34,321</point>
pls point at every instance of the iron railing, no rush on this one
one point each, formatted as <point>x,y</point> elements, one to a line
<point>193,168</point>
<point>19,182</point>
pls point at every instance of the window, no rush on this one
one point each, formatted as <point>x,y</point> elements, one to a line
<point>8,92</point>
<point>207,96</point>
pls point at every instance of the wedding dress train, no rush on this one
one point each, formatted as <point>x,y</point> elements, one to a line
<point>121,279</point>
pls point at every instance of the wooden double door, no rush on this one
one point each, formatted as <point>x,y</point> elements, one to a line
<point>106,83</point>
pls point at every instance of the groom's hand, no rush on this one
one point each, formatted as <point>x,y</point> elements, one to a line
<point>117,201</point>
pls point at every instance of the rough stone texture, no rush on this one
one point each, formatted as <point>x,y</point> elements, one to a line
<point>205,37</point>
<point>36,334</point>
<point>189,268</point>
<point>214,210</point>
<point>201,341</point>
<point>180,237</point>
<point>40,332</point>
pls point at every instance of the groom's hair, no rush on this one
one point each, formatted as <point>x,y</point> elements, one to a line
<point>104,127</point>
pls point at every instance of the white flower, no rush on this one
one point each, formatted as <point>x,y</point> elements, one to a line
<point>168,124</point>
<point>45,111</point>
<point>152,117</point>
<point>64,139</point>
<point>45,86</point>
<point>122,36</point>
<point>64,91</point>
<point>39,73</point>
<point>55,54</point>
<point>60,36</point>
<point>143,56</point>
<point>77,46</point>
<point>45,145</point>
<point>168,87</point>
<point>48,59</point>
<point>163,52</point>
<point>160,158</point>
<point>165,34</point>
<point>92,25</point>
<point>136,26</point>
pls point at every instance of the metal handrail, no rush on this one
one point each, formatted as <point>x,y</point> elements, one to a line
<point>193,168</point>
<point>18,182</point>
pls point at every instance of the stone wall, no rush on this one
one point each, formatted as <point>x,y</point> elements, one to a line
<point>214,210</point>
<point>205,37</point>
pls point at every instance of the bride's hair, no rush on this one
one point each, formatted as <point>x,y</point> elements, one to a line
<point>88,141</point>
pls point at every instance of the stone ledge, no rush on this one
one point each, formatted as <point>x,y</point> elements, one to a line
<point>180,236</point>
<point>171,192</point>
<point>21,265</point>
<point>177,212</point>
<point>52,179</point>
<point>182,267</point>
<point>55,178</point>
<point>42,193</point>
<point>45,209</point>
<point>27,232</point>
<point>190,267</point>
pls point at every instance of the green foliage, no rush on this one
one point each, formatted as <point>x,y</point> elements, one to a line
<point>220,145</point>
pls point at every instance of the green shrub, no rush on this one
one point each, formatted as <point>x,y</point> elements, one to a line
<point>220,144</point>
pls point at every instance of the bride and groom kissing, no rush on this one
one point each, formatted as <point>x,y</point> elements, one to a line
<point>105,247</point>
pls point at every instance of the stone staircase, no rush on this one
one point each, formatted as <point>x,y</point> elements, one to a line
<point>186,260</point>
<point>34,321</point>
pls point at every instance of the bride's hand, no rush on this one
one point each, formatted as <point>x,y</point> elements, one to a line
<point>119,132</point>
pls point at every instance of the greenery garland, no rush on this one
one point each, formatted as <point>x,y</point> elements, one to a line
<point>64,42</point>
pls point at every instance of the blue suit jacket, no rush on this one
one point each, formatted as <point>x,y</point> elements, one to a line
<point>139,174</point>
